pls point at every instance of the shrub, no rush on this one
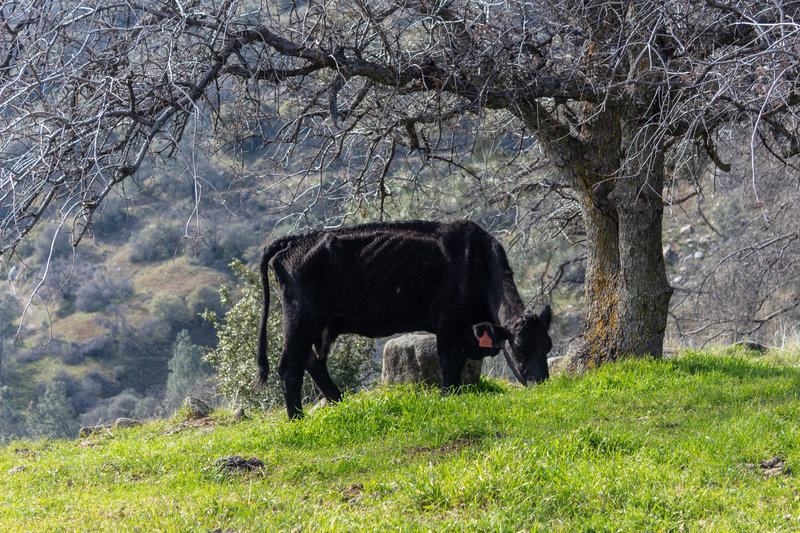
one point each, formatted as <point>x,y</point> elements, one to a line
<point>98,347</point>
<point>29,355</point>
<point>53,415</point>
<point>83,284</point>
<point>186,367</point>
<point>97,289</point>
<point>70,354</point>
<point>147,407</point>
<point>144,352</point>
<point>60,282</point>
<point>156,242</point>
<point>84,394</point>
<point>51,242</point>
<point>107,387</point>
<point>11,421</point>
<point>171,310</point>
<point>235,360</point>
<point>122,405</point>
<point>9,312</point>
<point>118,373</point>
<point>226,241</point>
<point>114,218</point>
<point>204,298</point>
<point>67,353</point>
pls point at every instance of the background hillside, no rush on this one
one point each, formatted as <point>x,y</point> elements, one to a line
<point>100,330</point>
<point>105,318</point>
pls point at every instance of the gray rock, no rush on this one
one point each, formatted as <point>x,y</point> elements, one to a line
<point>89,430</point>
<point>413,359</point>
<point>126,423</point>
<point>322,404</point>
<point>752,345</point>
<point>669,353</point>
<point>196,408</point>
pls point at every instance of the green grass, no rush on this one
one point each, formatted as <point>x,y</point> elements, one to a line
<point>635,446</point>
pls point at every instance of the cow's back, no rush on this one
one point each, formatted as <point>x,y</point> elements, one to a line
<point>383,278</point>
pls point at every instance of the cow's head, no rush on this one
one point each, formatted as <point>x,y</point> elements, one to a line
<point>528,344</point>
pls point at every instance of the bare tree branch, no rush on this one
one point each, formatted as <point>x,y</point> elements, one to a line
<point>344,94</point>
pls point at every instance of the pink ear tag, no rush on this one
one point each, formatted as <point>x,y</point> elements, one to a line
<point>485,341</point>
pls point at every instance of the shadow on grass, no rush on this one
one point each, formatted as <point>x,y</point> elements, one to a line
<point>484,386</point>
<point>735,366</point>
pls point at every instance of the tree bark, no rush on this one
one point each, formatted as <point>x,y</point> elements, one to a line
<point>644,292</point>
<point>617,167</point>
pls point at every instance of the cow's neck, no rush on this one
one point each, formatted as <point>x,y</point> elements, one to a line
<point>510,306</point>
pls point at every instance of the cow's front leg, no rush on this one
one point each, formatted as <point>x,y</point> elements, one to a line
<point>451,362</point>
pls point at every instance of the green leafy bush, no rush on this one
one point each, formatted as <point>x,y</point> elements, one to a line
<point>350,363</point>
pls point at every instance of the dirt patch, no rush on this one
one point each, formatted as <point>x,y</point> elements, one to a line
<point>239,465</point>
<point>80,327</point>
<point>771,467</point>
<point>26,452</point>
<point>351,493</point>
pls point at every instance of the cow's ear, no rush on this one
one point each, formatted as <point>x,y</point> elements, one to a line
<point>490,335</point>
<point>546,317</point>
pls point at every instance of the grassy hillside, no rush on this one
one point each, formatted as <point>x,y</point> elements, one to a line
<point>670,445</point>
<point>105,319</point>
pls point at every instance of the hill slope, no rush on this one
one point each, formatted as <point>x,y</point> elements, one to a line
<point>642,445</point>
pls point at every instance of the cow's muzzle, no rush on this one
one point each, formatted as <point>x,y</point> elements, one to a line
<point>528,378</point>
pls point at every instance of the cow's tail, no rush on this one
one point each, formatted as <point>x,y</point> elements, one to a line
<point>261,351</point>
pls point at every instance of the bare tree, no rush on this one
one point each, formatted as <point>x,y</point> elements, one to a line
<point>609,90</point>
<point>737,272</point>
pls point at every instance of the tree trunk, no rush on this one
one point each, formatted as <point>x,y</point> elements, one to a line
<point>617,167</point>
<point>644,292</point>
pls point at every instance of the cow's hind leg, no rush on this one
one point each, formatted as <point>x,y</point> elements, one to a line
<point>290,369</point>
<point>318,370</point>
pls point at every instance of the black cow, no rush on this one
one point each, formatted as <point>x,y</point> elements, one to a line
<point>378,279</point>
